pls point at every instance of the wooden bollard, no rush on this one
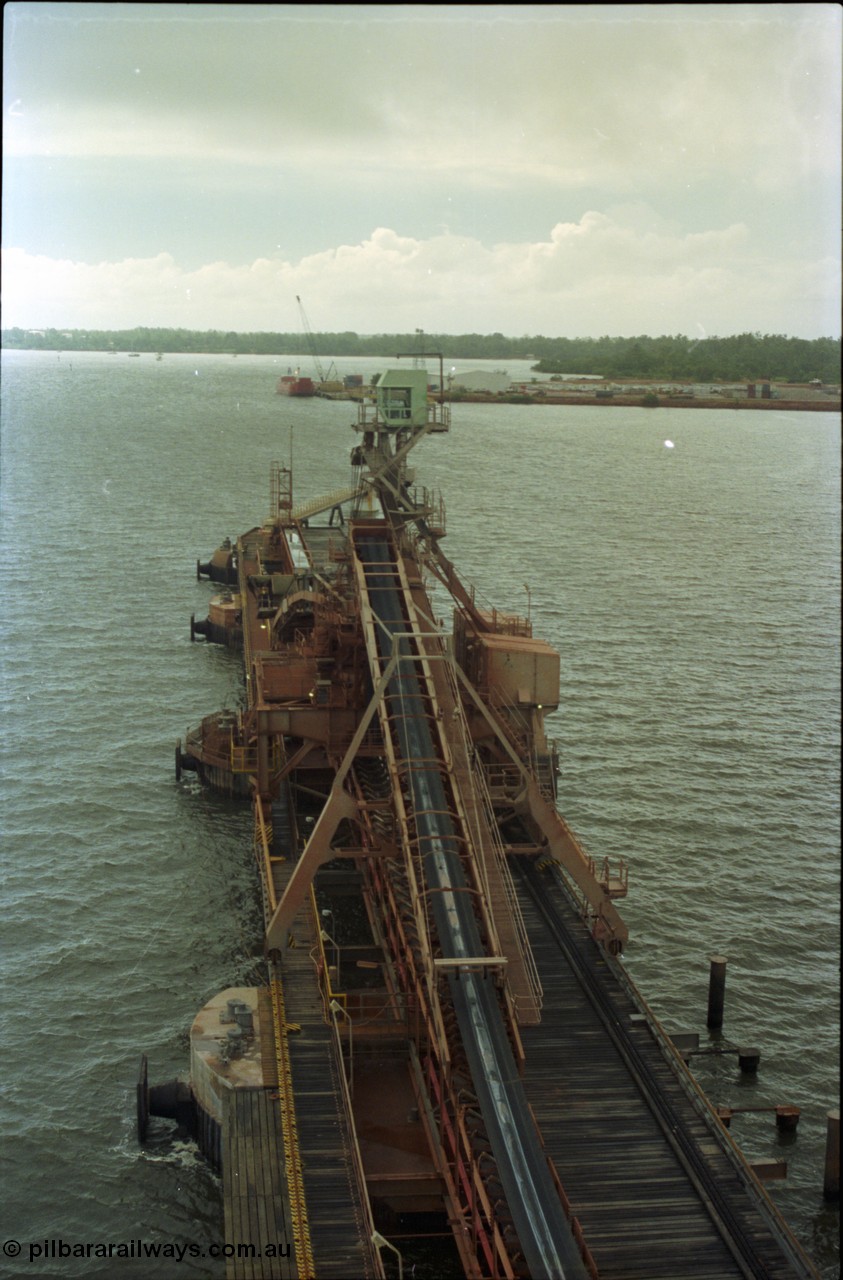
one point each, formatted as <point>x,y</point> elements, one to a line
<point>716,991</point>
<point>787,1118</point>
<point>748,1060</point>
<point>831,1184</point>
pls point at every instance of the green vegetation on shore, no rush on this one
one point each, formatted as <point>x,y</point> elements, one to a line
<point>668,358</point>
<point>746,356</point>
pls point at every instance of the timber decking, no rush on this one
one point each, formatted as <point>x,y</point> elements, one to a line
<point>255,1189</point>
<point>339,1237</point>
<point>643,1214</point>
<point>256,1206</point>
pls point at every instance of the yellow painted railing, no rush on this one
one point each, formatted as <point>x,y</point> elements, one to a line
<point>263,854</point>
<point>245,759</point>
<point>300,1227</point>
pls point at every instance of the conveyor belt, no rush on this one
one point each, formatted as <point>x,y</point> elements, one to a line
<point>532,1199</point>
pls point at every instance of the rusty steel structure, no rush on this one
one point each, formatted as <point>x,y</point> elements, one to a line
<point>400,762</point>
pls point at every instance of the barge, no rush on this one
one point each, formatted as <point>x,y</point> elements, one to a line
<point>293,384</point>
<point>441,950</point>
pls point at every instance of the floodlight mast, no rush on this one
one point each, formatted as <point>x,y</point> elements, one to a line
<point>427,355</point>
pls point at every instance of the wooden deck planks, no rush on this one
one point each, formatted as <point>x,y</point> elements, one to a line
<point>339,1239</point>
<point>254,1188</point>
<point>641,1214</point>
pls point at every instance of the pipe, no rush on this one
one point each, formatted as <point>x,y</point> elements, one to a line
<point>831,1182</point>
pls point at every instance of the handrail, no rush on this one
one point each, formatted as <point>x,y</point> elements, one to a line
<point>333,499</point>
<point>356,1162</point>
<point>263,852</point>
<point>692,1089</point>
<point>305,1265</point>
<point>479,791</point>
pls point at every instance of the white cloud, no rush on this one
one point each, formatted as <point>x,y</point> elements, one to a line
<point>596,275</point>
<point>704,140</point>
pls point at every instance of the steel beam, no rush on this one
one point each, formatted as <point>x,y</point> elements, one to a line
<point>340,804</point>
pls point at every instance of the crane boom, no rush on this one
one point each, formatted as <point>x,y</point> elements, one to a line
<point>311,341</point>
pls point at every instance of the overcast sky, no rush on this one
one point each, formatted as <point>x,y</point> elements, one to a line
<point>554,169</point>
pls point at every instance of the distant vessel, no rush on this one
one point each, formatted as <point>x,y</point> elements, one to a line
<point>292,384</point>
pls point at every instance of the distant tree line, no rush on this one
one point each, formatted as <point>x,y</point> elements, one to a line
<point>745,356</point>
<point>670,358</point>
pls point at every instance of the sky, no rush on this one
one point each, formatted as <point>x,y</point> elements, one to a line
<point>564,170</point>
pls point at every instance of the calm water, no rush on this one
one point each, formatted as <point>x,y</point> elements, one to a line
<point>694,595</point>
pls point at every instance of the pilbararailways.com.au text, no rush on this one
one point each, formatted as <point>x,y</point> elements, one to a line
<point>148,1250</point>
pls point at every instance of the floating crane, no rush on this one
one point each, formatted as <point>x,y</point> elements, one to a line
<point>311,342</point>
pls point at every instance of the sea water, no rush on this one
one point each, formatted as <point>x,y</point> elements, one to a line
<point>693,593</point>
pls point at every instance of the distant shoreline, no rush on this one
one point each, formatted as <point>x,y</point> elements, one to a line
<point>737,358</point>
<point>807,400</point>
<point>831,405</point>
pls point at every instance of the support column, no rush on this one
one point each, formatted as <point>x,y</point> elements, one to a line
<point>831,1184</point>
<point>716,992</point>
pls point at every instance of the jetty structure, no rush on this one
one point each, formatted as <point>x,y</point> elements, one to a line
<point>447,1051</point>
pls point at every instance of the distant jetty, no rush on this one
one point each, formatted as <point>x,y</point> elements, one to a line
<point>801,398</point>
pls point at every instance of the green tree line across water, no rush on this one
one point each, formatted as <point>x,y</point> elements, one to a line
<point>743,356</point>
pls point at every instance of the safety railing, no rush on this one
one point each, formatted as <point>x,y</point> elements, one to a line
<point>486,835</point>
<point>244,759</point>
<point>263,856</point>
<point>300,1226</point>
<point>369,417</point>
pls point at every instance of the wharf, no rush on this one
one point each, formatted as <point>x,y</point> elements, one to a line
<point>827,405</point>
<point>474,1064</point>
<point>648,1171</point>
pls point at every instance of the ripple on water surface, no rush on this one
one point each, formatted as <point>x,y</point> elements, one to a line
<point>692,593</point>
